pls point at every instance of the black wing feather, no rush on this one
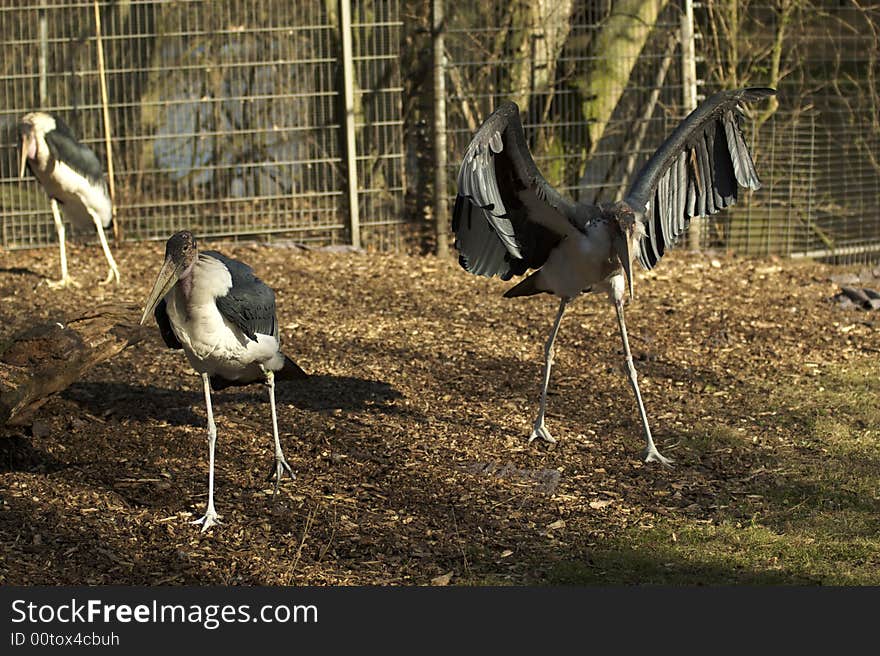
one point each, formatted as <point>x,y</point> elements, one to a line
<point>168,336</point>
<point>507,218</point>
<point>696,172</point>
<point>65,147</point>
<point>480,250</point>
<point>250,303</point>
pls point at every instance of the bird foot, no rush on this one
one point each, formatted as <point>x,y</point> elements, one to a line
<point>277,471</point>
<point>112,273</point>
<point>653,455</point>
<point>61,284</point>
<point>540,431</point>
<point>209,519</point>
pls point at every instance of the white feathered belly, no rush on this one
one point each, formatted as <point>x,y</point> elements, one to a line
<point>216,347</point>
<point>577,264</point>
<point>75,194</point>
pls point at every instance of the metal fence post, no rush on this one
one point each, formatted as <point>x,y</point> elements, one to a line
<point>689,90</point>
<point>105,113</point>
<point>44,56</point>
<point>441,215</point>
<point>354,221</point>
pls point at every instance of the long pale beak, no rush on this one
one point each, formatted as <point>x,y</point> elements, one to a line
<point>168,277</point>
<point>25,144</point>
<point>624,254</point>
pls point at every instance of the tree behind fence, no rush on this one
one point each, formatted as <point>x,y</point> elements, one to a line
<point>228,118</point>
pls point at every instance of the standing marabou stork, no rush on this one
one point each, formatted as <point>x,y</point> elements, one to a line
<point>223,317</point>
<point>508,219</point>
<point>72,176</point>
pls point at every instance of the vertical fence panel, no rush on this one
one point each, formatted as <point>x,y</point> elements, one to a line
<point>228,117</point>
<point>817,154</point>
<point>438,122</point>
<point>376,28</point>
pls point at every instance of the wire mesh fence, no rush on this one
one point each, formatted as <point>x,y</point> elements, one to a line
<point>821,195</point>
<point>226,117</point>
<point>819,151</point>
<point>229,118</point>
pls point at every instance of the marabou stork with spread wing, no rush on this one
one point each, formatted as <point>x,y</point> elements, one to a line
<point>507,218</point>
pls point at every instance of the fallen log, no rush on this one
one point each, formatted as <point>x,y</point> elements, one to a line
<point>46,359</point>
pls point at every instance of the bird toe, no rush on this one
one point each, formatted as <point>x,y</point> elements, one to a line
<point>111,275</point>
<point>277,471</point>
<point>62,283</point>
<point>541,432</point>
<point>208,520</point>
<point>653,455</point>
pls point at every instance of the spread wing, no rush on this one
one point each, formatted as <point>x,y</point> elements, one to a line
<point>696,172</point>
<point>507,217</point>
<point>249,303</point>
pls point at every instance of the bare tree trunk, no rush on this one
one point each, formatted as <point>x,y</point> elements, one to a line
<point>617,49</point>
<point>539,31</point>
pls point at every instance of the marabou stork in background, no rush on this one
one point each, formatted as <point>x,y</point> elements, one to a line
<point>72,176</point>
<point>223,317</point>
<point>507,219</point>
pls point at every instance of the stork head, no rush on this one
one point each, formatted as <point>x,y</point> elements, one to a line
<point>181,254</point>
<point>32,128</point>
<point>628,231</point>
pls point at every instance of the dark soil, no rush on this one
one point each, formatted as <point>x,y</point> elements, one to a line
<point>409,438</point>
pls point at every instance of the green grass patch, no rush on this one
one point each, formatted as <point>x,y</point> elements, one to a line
<point>725,554</point>
<point>812,518</point>
<point>704,437</point>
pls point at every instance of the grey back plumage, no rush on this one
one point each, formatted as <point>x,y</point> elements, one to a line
<point>695,172</point>
<point>65,147</point>
<point>250,303</point>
